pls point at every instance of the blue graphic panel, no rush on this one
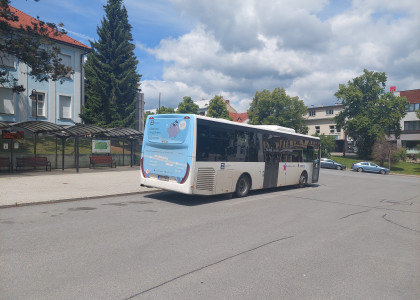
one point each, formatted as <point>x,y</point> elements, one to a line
<point>167,130</point>
<point>167,147</point>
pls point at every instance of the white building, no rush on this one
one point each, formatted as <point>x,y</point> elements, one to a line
<point>320,120</point>
<point>410,124</point>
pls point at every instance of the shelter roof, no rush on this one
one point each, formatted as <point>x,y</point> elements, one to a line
<point>124,132</point>
<point>84,129</point>
<point>77,130</point>
<point>4,125</point>
<point>39,126</point>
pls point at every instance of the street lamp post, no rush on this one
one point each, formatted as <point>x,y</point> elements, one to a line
<point>34,96</point>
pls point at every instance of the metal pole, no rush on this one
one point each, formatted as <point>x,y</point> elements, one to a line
<point>35,134</point>
<point>77,154</point>
<point>56,152</point>
<point>159,104</point>
<point>36,106</point>
<point>123,153</point>
<point>131,153</point>
<point>11,156</point>
<point>63,141</point>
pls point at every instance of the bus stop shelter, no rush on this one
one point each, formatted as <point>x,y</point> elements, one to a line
<point>76,131</point>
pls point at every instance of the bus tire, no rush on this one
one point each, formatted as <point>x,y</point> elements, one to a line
<point>243,186</point>
<point>303,179</point>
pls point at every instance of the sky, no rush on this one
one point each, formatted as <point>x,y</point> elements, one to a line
<point>234,48</point>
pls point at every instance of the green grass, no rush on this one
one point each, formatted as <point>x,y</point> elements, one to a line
<point>406,168</point>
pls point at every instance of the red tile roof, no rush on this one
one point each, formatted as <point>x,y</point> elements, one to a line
<point>27,20</point>
<point>239,117</point>
<point>413,96</point>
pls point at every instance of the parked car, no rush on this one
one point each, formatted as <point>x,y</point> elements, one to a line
<point>365,166</point>
<point>330,164</point>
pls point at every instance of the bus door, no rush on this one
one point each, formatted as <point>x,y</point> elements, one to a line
<point>272,160</point>
<point>316,165</point>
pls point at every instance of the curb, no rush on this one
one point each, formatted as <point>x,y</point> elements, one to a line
<point>74,199</point>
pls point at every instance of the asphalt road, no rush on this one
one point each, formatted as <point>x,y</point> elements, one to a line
<point>353,236</point>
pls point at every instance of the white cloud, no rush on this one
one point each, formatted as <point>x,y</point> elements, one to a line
<point>243,46</point>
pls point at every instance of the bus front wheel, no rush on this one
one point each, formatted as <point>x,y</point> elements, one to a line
<point>243,186</point>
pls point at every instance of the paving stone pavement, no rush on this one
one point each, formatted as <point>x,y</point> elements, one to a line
<point>40,186</point>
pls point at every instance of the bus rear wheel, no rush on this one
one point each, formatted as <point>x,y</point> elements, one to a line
<point>243,186</point>
<point>303,180</point>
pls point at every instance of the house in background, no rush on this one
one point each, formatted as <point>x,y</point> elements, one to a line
<point>320,120</point>
<point>51,101</point>
<point>410,124</point>
<point>239,117</point>
<point>203,106</point>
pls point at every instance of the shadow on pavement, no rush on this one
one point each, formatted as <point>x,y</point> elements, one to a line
<point>194,200</point>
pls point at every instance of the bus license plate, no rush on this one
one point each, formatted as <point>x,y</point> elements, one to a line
<point>164,178</point>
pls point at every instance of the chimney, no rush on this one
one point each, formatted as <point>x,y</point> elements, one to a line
<point>227,101</point>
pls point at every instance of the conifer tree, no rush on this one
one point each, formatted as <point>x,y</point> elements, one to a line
<point>110,70</point>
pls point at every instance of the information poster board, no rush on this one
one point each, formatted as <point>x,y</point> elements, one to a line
<point>101,146</point>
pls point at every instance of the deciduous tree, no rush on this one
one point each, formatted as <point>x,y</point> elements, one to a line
<point>327,144</point>
<point>369,114</point>
<point>277,108</point>
<point>217,108</point>
<point>383,151</point>
<point>166,110</point>
<point>111,77</point>
<point>187,106</point>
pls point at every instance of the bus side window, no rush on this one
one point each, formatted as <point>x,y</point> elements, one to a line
<point>253,147</point>
<point>309,154</point>
<point>219,143</point>
<point>203,148</point>
<point>297,156</point>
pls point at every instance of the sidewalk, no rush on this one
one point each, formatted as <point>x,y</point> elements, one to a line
<point>39,186</point>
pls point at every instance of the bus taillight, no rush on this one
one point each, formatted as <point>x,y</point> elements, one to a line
<point>141,165</point>
<point>186,174</point>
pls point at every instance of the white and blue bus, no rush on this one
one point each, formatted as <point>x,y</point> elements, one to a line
<point>193,154</point>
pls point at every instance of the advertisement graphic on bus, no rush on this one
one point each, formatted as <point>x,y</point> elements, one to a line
<point>168,149</point>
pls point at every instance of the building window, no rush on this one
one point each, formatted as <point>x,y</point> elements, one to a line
<point>40,110</point>
<point>411,125</point>
<point>65,107</point>
<point>312,113</point>
<point>412,107</point>
<point>7,60</point>
<point>66,60</point>
<point>337,129</point>
<point>317,129</point>
<point>331,128</point>
<point>329,111</point>
<point>7,106</point>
